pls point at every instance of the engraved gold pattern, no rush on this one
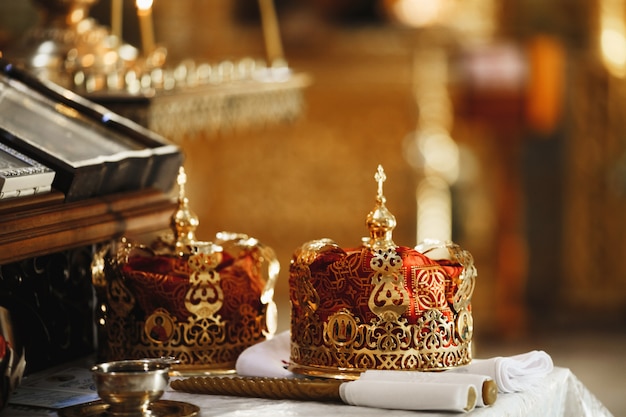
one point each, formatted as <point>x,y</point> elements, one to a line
<point>205,319</point>
<point>389,299</point>
<point>343,346</point>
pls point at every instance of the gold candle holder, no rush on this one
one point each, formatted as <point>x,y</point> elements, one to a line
<point>117,14</point>
<point>271,33</point>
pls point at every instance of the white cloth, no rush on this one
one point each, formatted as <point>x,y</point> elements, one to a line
<point>514,373</point>
<point>409,395</point>
<point>266,359</point>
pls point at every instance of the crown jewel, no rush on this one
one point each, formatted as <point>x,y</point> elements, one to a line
<point>379,306</point>
<point>200,302</point>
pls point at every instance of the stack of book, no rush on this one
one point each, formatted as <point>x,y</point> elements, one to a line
<point>92,151</point>
<point>21,175</point>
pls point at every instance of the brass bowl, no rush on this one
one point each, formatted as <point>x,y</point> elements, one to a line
<point>130,386</point>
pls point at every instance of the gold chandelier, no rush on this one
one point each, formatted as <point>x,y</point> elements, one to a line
<point>71,49</point>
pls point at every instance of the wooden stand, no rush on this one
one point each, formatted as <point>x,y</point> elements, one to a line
<point>46,249</point>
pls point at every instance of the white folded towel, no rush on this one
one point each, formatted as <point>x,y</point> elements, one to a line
<point>403,395</point>
<point>266,359</point>
<point>514,373</point>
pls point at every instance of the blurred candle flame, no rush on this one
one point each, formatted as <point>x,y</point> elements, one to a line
<point>144,4</point>
<point>613,36</point>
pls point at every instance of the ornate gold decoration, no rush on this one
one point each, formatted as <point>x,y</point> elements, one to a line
<point>380,306</point>
<point>184,100</point>
<point>200,302</point>
<point>380,221</point>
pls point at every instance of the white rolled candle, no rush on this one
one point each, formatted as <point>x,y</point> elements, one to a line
<point>485,386</point>
<point>409,395</point>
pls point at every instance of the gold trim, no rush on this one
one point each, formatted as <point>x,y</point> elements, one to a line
<point>161,408</point>
<point>471,399</point>
<point>489,391</point>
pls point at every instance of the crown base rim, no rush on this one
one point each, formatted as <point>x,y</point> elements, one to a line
<point>348,374</point>
<point>202,370</point>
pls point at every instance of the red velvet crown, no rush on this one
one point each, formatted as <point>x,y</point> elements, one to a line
<point>379,306</point>
<point>200,302</point>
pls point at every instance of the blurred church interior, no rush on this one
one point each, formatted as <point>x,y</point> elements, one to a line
<point>497,123</point>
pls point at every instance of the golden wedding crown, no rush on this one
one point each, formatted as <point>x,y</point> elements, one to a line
<point>380,306</point>
<point>202,303</point>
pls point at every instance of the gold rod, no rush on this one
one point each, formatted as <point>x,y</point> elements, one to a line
<point>271,32</point>
<point>116,18</point>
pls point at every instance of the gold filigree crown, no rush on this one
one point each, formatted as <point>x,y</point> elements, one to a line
<point>380,306</point>
<point>202,303</point>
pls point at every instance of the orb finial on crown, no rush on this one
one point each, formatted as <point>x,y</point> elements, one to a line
<point>184,221</point>
<point>380,221</point>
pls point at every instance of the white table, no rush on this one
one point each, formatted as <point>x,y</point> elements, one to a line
<point>559,394</point>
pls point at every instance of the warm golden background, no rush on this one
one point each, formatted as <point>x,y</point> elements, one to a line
<point>537,117</point>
